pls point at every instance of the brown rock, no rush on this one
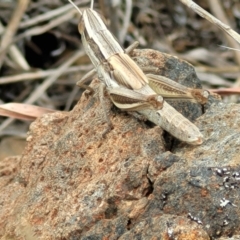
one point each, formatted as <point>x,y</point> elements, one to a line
<point>11,146</point>
<point>70,178</point>
<point>71,183</point>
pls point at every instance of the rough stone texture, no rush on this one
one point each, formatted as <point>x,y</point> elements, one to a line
<point>11,146</point>
<point>8,169</point>
<point>71,183</point>
<point>235,237</point>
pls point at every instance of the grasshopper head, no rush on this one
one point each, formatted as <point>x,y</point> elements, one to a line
<point>193,136</point>
<point>196,141</point>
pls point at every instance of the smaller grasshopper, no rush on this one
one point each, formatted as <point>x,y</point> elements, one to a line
<point>129,88</point>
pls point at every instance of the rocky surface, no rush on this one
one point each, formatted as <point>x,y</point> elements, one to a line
<point>73,183</point>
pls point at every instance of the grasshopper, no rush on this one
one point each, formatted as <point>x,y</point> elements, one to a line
<point>129,88</point>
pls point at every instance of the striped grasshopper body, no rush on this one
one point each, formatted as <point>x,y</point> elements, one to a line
<point>129,88</point>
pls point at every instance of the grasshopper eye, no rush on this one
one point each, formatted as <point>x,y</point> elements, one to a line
<point>81,26</point>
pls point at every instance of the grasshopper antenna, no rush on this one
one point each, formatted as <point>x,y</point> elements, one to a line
<point>229,48</point>
<point>92,2</point>
<point>76,6</point>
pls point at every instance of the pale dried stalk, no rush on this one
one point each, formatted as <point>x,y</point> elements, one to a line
<point>196,8</point>
<point>41,74</point>
<point>49,15</point>
<point>42,29</point>
<point>15,54</point>
<point>35,95</point>
<point>12,27</point>
<point>216,7</point>
<point>227,29</point>
<point>126,21</point>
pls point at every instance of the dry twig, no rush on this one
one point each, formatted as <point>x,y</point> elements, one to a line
<point>15,54</point>
<point>211,19</point>
<point>49,15</point>
<point>41,74</point>
<point>12,27</point>
<point>35,95</point>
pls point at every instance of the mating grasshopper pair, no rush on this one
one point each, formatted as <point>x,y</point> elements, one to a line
<point>129,88</point>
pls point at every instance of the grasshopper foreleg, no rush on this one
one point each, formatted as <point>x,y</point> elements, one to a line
<point>87,77</point>
<point>106,110</point>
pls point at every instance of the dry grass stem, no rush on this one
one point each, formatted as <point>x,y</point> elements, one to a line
<point>211,19</point>
<point>50,80</point>
<point>41,74</point>
<point>44,28</point>
<point>37,93</point>
<point>16,54</point>
<point>126,21</point>
<point>216,8</point>
<point>49,15</point>
<point>12,27</point>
